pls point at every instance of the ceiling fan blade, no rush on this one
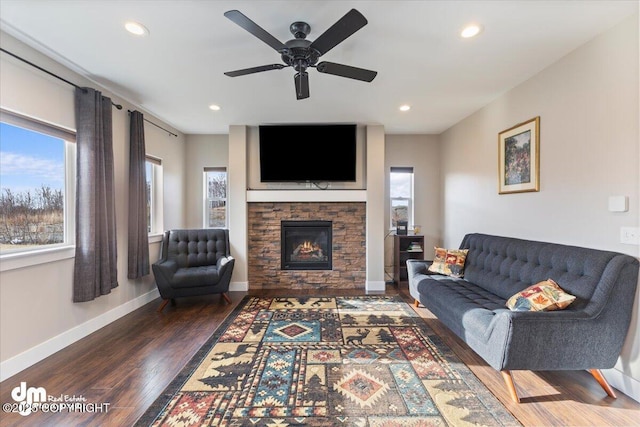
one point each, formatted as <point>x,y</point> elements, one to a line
<point>346,71</point>
<point>338,32</point>
<point>252,70</point>
<point>246,23</point>
<point>302,85</point>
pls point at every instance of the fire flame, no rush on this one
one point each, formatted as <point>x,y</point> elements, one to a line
<point>307,246</point>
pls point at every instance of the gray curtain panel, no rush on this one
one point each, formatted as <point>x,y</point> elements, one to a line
<point>95,271</point>
<point>138,261</point>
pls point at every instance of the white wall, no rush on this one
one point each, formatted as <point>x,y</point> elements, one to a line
<point>201,151</point>
<point>375,211</point>
<point>37,315</point>
<point>237,199</point>
<point>422,152</point>
<point>589,147</point>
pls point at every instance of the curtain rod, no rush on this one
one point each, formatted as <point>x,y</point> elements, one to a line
<point>118,106</point>
<point>158,126</point>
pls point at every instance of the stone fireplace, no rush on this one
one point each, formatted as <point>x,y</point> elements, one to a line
<point>267,257</point>
<point>305,245</point>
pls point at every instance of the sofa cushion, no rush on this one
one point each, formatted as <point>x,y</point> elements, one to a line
<point>460,305</point>
<point>544,296</point>
<point>195,276</point>
<point>449,262</point>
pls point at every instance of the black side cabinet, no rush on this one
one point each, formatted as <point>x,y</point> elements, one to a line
<point>404,248</point>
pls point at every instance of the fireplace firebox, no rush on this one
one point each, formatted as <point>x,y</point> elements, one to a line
<point>306,245</point>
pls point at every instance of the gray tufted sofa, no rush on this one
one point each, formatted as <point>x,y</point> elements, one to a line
<point>194,262</point>
<point>587,335</point>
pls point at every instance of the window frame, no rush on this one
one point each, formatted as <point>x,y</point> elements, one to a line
<point>156,223</point>
<point>206,199</point>
<point>21,258</point>
<point>410,200</point>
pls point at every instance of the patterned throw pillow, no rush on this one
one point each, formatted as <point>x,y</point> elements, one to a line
<point>449,262</point>
<point>543,296</point>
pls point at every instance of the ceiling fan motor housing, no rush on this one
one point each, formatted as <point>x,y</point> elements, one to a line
<point>300,30</point>
<point>298,54</point>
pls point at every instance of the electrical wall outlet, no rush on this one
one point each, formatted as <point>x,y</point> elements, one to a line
<point>630,235</point>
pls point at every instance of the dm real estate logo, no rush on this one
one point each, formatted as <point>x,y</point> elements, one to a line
<point>27,400</point>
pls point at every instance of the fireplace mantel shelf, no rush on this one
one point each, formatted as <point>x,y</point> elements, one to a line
<point>306,196</point>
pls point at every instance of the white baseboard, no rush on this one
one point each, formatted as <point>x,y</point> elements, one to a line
<point>239,286</point>
<point>626,384</point>
<point>30,357</point>
<point>375,286</point>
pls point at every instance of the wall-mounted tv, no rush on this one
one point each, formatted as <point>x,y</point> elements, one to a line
<point>309,152</point>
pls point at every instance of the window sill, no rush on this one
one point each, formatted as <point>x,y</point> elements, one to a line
<point>40,256</point>
<point>155,238</point>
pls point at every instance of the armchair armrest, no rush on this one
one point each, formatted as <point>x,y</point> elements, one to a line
<point>223,264</point>
<point>163,272</point>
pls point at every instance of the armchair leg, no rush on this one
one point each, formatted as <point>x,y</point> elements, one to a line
<point>163,305</point>
<point>226,298</point>
<point>416,303</point>
<point>508,380</point>
<point>603,382</point>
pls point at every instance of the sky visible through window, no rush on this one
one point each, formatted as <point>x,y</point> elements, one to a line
<point>32,181</point>
<point>400,184</point>
<point>29,160</point>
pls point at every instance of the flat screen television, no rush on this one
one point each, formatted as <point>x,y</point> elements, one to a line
<point>310,152</point>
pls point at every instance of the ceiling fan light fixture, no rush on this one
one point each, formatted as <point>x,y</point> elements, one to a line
<point>136,28</point>
<point>405,107</point>
<point>471,30</point>
<point>214,107</point>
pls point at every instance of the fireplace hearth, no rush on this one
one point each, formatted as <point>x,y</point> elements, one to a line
<point>306,245</point>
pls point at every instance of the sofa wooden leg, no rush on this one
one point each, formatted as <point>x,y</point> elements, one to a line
<point>603,382</point>
<point>508,380</point>
<point>416,303</point>
<point>163,305</point>
<point>226,298</point>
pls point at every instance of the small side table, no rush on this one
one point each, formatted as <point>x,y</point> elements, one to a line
<point>404,248</point>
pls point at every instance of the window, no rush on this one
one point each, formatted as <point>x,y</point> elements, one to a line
<point>153,174</point>
<point>401,195</point>
<point>37,180</point>
<point>215,197</point>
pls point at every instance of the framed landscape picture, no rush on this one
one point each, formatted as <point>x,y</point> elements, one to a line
<point>519,158</point>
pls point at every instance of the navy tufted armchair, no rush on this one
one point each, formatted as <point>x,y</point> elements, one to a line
<point>192,263</point>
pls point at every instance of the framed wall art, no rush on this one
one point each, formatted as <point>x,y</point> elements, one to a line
<point>519,158</point>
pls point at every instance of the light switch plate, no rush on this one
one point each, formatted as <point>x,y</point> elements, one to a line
<point>618,204</point>
<point>630,235</point>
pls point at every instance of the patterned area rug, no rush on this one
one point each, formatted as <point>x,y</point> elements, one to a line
<point>326,361</point>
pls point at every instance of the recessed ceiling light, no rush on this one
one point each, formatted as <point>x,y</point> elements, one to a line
<point>214,107</point>
<point>405,107</point>
<point>136,28</point>
<point>471,30</point>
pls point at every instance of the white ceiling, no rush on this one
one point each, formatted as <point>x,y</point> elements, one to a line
<point>177,71</point>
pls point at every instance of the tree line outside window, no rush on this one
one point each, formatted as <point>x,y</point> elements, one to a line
<point>37,177</point>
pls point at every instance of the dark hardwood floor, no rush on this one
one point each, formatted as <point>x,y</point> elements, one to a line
<point>128,363</point>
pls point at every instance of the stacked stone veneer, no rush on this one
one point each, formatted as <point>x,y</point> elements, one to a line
<point>349,248</point>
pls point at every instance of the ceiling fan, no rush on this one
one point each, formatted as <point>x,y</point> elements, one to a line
<point>301,54</point>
